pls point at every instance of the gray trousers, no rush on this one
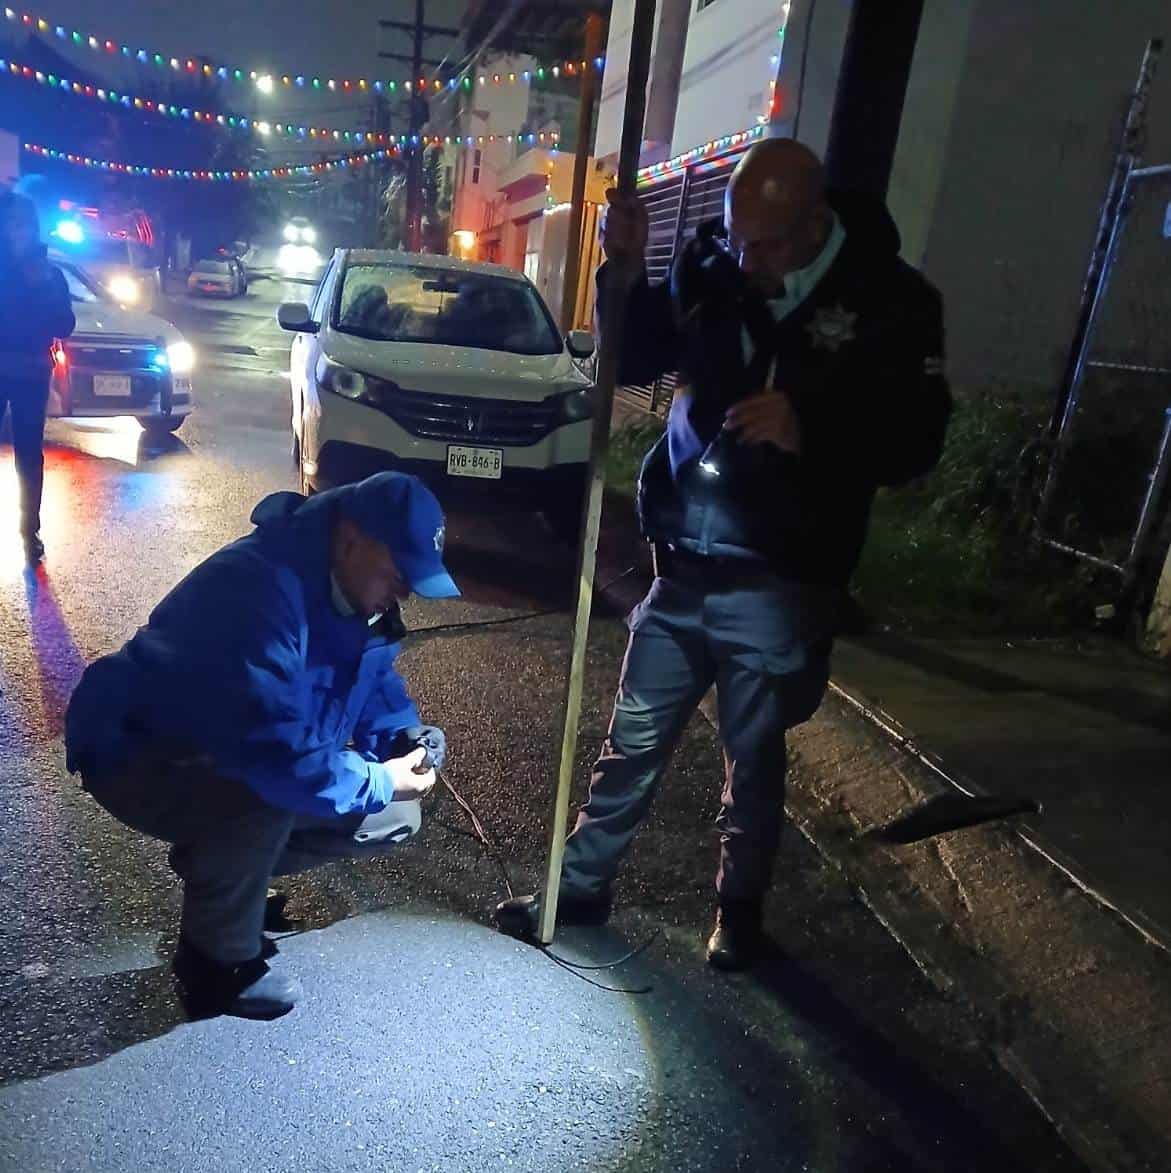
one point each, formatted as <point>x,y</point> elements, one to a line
<point>766,650</point>
<point>227,843</point>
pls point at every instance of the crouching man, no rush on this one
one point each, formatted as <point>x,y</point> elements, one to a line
<point>257,722</point>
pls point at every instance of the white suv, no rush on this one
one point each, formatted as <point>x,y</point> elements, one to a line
<point>447,369</point>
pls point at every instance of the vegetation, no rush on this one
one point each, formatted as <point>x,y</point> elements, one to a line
<point>954,552</point>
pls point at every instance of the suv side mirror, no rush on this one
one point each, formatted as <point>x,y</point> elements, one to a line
<point>294,317</point>
<point>580,343</point>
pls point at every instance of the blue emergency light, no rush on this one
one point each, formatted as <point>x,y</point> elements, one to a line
<point>69,231</point>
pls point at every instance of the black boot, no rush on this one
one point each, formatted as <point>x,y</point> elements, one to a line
<point>34,548</point>
<point>737,939</point>
<point>521,916</point>
<point>248,989</point>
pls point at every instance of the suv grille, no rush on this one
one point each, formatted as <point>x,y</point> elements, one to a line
<point>111,359</point>
<point>455,418</point>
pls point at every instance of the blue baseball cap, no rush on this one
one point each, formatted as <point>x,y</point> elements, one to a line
<point>400,511</point>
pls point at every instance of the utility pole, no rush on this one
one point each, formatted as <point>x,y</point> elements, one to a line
<point>420,31</point>
<point>637,75</point>
<point>585,122</point>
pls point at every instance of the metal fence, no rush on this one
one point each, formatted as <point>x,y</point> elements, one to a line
<point>1111,457</point>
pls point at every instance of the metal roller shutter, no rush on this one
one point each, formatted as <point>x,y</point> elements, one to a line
<point>676,207</point>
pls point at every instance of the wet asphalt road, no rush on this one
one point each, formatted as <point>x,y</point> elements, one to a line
<point>426,1041</point>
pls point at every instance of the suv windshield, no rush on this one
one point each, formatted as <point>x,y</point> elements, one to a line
<point>79,288</point>
<point>448,307</point>
<point>107,251</point>
<point>212,267</point>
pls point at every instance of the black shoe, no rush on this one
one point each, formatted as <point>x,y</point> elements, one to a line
<point>521,916</point>
<point>737,940</point>
<point>246,990</point>
<point>34,548</point>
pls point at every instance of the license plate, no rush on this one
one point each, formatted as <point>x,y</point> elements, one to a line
<point>112,386</point>
<point>486,463</point>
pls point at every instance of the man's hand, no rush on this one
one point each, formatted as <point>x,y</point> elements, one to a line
<point>433,740</point>
<point>411,777</point>
<point>766,418</point>
<point>625,228</point>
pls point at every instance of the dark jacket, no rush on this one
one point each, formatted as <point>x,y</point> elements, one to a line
<point>248,662</point>
<point>35,308</point>
<point>861,358</point>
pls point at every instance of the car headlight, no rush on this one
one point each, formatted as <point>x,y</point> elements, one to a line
<point>332,376</point>
<point>574,406</point>
<point>124,289</point>
<point>309,235</point>
<point>292,235</point>
<point>181,356</point>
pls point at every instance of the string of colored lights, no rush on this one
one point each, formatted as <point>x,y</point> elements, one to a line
<point>259,126</point>
<point>716,147</point>
<point>267,80</point>
<point>340,163</point>
<point>708,150</point>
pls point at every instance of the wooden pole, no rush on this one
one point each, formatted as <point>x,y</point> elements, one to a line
<point>585,122</point>
<point>642,34</point>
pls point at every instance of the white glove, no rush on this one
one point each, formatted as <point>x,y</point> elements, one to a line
<point>408,783</point>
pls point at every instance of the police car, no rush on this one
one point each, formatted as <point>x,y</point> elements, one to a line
<point>119,361</point>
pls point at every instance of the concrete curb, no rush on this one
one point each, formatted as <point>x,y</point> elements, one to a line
<point>1072,997</point>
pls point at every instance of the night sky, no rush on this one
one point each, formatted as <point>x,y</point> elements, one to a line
<point>294,36</point>
<point>310,37</point>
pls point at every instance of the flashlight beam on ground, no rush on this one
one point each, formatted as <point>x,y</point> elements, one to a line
<point>642,33</point>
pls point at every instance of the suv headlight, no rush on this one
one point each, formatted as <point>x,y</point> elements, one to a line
<point>181,356</point>
<point>576,405</point>
<point>124,289</point>
<point>332,376</point>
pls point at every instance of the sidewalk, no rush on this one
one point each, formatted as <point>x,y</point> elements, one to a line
<point>1084,729</point>
<point>1052,931</point>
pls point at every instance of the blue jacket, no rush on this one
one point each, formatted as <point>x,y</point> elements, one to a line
<point>248,662</point>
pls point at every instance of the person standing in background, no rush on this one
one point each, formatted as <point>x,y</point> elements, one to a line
<point>35,310</point>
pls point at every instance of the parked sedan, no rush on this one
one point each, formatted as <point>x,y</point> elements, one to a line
<point>451,370</point>
<point>119,362</point>
<point>215,278</point>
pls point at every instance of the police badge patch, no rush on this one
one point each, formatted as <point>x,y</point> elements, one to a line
<point>832,327</point>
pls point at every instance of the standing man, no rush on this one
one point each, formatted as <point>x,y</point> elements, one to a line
<point>811,364</point>
<point>257,722</point>
<point>34,310</point>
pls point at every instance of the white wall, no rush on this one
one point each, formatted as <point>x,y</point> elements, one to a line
<point>726,69</point>
<point>725,78</point>
<point>815,39</point>
<point>1015,185</point>
<point>489,109</point>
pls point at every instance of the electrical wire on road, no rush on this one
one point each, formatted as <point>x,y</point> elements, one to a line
<point>480,835</point>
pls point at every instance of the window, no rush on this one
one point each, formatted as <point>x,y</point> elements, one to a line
<point>446,307</point>
<point>476,160</point>
<point>703,4</point>
<point>321,297</point>
<point>532,266</point>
